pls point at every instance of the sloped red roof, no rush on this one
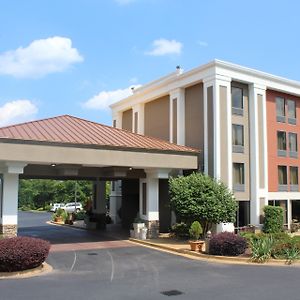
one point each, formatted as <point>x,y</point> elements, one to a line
<point>72,130</point>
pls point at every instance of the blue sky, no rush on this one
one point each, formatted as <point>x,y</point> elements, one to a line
<point>76,57</point>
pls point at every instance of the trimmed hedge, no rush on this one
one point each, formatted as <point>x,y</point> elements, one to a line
<point>273,222</point>
<point>22,253</point>
<point>227,244</point>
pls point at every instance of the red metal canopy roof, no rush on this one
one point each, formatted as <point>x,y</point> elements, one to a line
<point>72,130</point>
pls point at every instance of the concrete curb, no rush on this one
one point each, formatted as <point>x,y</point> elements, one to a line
<point>214,258</point>
<point>65,225</point>
<point>38,271</point>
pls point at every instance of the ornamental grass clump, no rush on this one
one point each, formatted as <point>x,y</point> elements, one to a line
<point>261,248</point>
<point>22,253</point>
<point>227,244</point>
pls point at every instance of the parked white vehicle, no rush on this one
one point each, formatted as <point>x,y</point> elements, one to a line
<point>55,206</point>
<point>72,207</point>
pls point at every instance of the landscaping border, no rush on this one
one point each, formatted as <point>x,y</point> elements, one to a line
<point>38,271</point>
<point>213,258</point>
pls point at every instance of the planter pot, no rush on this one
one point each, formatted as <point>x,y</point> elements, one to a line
<point>137,228</point>
<point>131,233</point>
<point>58,220</point>
<point>195,245</point>
<point>143,233</point>
<point>200,246</point>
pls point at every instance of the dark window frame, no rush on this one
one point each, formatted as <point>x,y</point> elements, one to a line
<point>280,118</point>
<point>237,110</point>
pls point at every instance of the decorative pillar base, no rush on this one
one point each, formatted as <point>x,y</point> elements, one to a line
<point>153,229</point>
<point>9,230</point>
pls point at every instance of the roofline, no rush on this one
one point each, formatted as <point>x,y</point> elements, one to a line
<point>173,77</point>
<point>194,152</point>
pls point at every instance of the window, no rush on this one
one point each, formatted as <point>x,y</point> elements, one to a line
<point>294,179</point>
<point>280,109</point>
<point>281,143</point>
<point>243,214</point>
<point>238,177</point>
<point>238,138</point>
<point>237,100</point>
<point>293,146</point>
<point>114,123</point>
<point>291,106</point>
<point>282,178</point>
<point>283,204</point>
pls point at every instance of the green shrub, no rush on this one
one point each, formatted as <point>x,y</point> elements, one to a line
<point>261,248</point>
<point>273,221</point>
<point>80,215</point>
<point>195,230</point>
<point>181,230</point>
<point>200,197</point>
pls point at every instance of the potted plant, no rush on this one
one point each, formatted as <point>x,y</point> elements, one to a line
<point>58,216</point>
<point>195,232</point>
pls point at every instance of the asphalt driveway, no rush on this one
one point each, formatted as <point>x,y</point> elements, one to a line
<point>134,272</point>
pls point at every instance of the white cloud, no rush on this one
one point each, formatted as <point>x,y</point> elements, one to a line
<point>165,47</point>
<point>124,2</point>
<point>202,43</point>
<point>106,98</point>
<point>17,111</point>
<point>41,57</point>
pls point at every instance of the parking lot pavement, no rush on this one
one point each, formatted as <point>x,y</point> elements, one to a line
<point>142,273</point>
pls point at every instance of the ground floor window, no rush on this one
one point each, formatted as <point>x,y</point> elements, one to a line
<point>243,214</point>
<point>283,204</point>
<point>295,204</point>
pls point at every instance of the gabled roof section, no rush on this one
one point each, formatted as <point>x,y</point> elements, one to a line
<point>71,130</point>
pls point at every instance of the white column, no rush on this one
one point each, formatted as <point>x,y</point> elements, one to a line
<point>9,201</point>
<point>264,192</point>
<point>254,91</point>
<point>178,94</point>
<point>117,117</point>
<point>171,119</point>
<point>139,109</point>
<point>150,213</point>
<point>216,82</point>
<point>205,150</point>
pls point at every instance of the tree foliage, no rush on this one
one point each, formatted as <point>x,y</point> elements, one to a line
<point>200,197</point>
<point>37,193</point>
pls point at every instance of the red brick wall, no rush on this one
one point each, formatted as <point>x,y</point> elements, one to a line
<point>272,127</point>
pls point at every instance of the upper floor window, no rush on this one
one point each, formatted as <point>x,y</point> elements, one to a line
<point>294,179</point>
<point>280,109</point>
<point>237,100</point>
<point>293,146</point>
<point>281,143</point>
<point>282,178</point>
<point>237,138</point>
<point>238,170</point>
<point>291,106</point>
